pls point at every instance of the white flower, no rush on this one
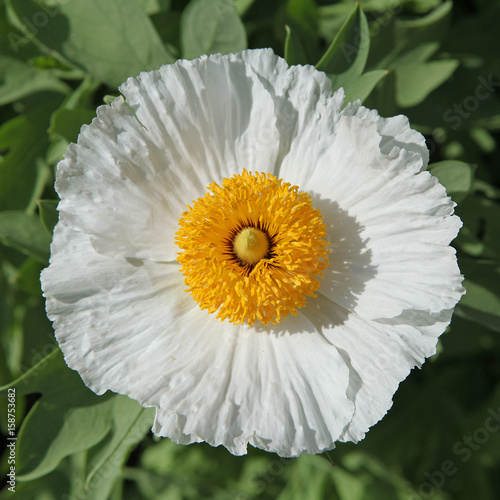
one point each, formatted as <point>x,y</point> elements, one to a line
<point>327,294</point>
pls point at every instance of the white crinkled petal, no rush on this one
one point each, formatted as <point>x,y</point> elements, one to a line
<point>389,225</point>
<point>379,354</point>
<point>129,326</point>
<point>126,182</point>
<point>304,105</point>
<point>117,297</point>
<point>395,131</point>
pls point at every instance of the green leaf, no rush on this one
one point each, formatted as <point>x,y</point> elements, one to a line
<point>242,6</point>
<point>405,40</point>
<point>25,233</point>
<point>112,40</point>
<point>19,79</point>
<point>302,17</point>
<point>416,81</point>
<point>360,87</point>
<point>433,27</point>
<point>294,51</point>
<point>348,52</point>
<point>130,424</point>
<point>210,27</point>
<point>155,6</point>
<point>456,177</point>
<point>48,214</point>
<point>67,123</point>
<point>27,277</point>
<point>331,18</point>
<point>67,418</point>
<point>24,140</point>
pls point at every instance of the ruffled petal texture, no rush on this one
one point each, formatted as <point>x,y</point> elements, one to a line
<point>141,161</point>
<point>118,300</point>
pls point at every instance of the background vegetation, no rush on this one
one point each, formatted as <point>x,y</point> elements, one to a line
<point>436,61</point>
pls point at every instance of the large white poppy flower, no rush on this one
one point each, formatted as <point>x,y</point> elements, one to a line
<point>311,242</point>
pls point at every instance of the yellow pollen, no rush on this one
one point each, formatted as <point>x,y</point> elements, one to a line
<point>252,249</point>
<point>251,245</point>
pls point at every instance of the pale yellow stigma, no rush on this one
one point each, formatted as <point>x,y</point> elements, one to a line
<point>250,245</point>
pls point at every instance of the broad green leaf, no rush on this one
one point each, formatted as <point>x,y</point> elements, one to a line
<point>429,28</point>
<point>54,486</point>
<point>130,424</point>
<point>456,177</point>
<point>360,87</point>
<point>331,18</point>
<point>302,17</point>
<point>112,40</point>
<point>408,35</point>
<point>348,52</point>
<point>416,81</point>
<point>48,214</point>
<point>27,277</point>
<point>19,79</point>
<point>24,139</point>
<point>210,27</point>
<point>53,431</point>
<point>294,51</point>
<point>67,123</point>
<point>66,419</point>
<point>155,6</point>
<point>242,6</point>
<point>25,233</point>
<point>56,151</point>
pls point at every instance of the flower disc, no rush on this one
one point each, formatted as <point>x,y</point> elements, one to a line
<point>252,249</point>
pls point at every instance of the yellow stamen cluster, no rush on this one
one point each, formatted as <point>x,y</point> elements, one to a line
<point>251,249</point>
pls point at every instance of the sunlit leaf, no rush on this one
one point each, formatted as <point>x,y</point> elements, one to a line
<point>456,177</point>
<point>25,233</point>
<point>112,40</point>
<point>19,79</point>
<point>209,27</point>
<point>294,51</point>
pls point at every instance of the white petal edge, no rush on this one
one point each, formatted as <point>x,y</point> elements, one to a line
<point>128,326</point>
<point>380,355</point>
<point>126,182</point>
<point>401,222</point>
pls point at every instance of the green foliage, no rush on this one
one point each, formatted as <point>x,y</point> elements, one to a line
<point>111,40</point>
<point>26,233</point>
<point>209,27</point>
<point>435,61</point>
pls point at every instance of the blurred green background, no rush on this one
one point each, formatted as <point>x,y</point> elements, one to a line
<point>438,62</point>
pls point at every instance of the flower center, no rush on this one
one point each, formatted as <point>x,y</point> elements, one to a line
<point>250,245</point>
<point>251,249</point>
